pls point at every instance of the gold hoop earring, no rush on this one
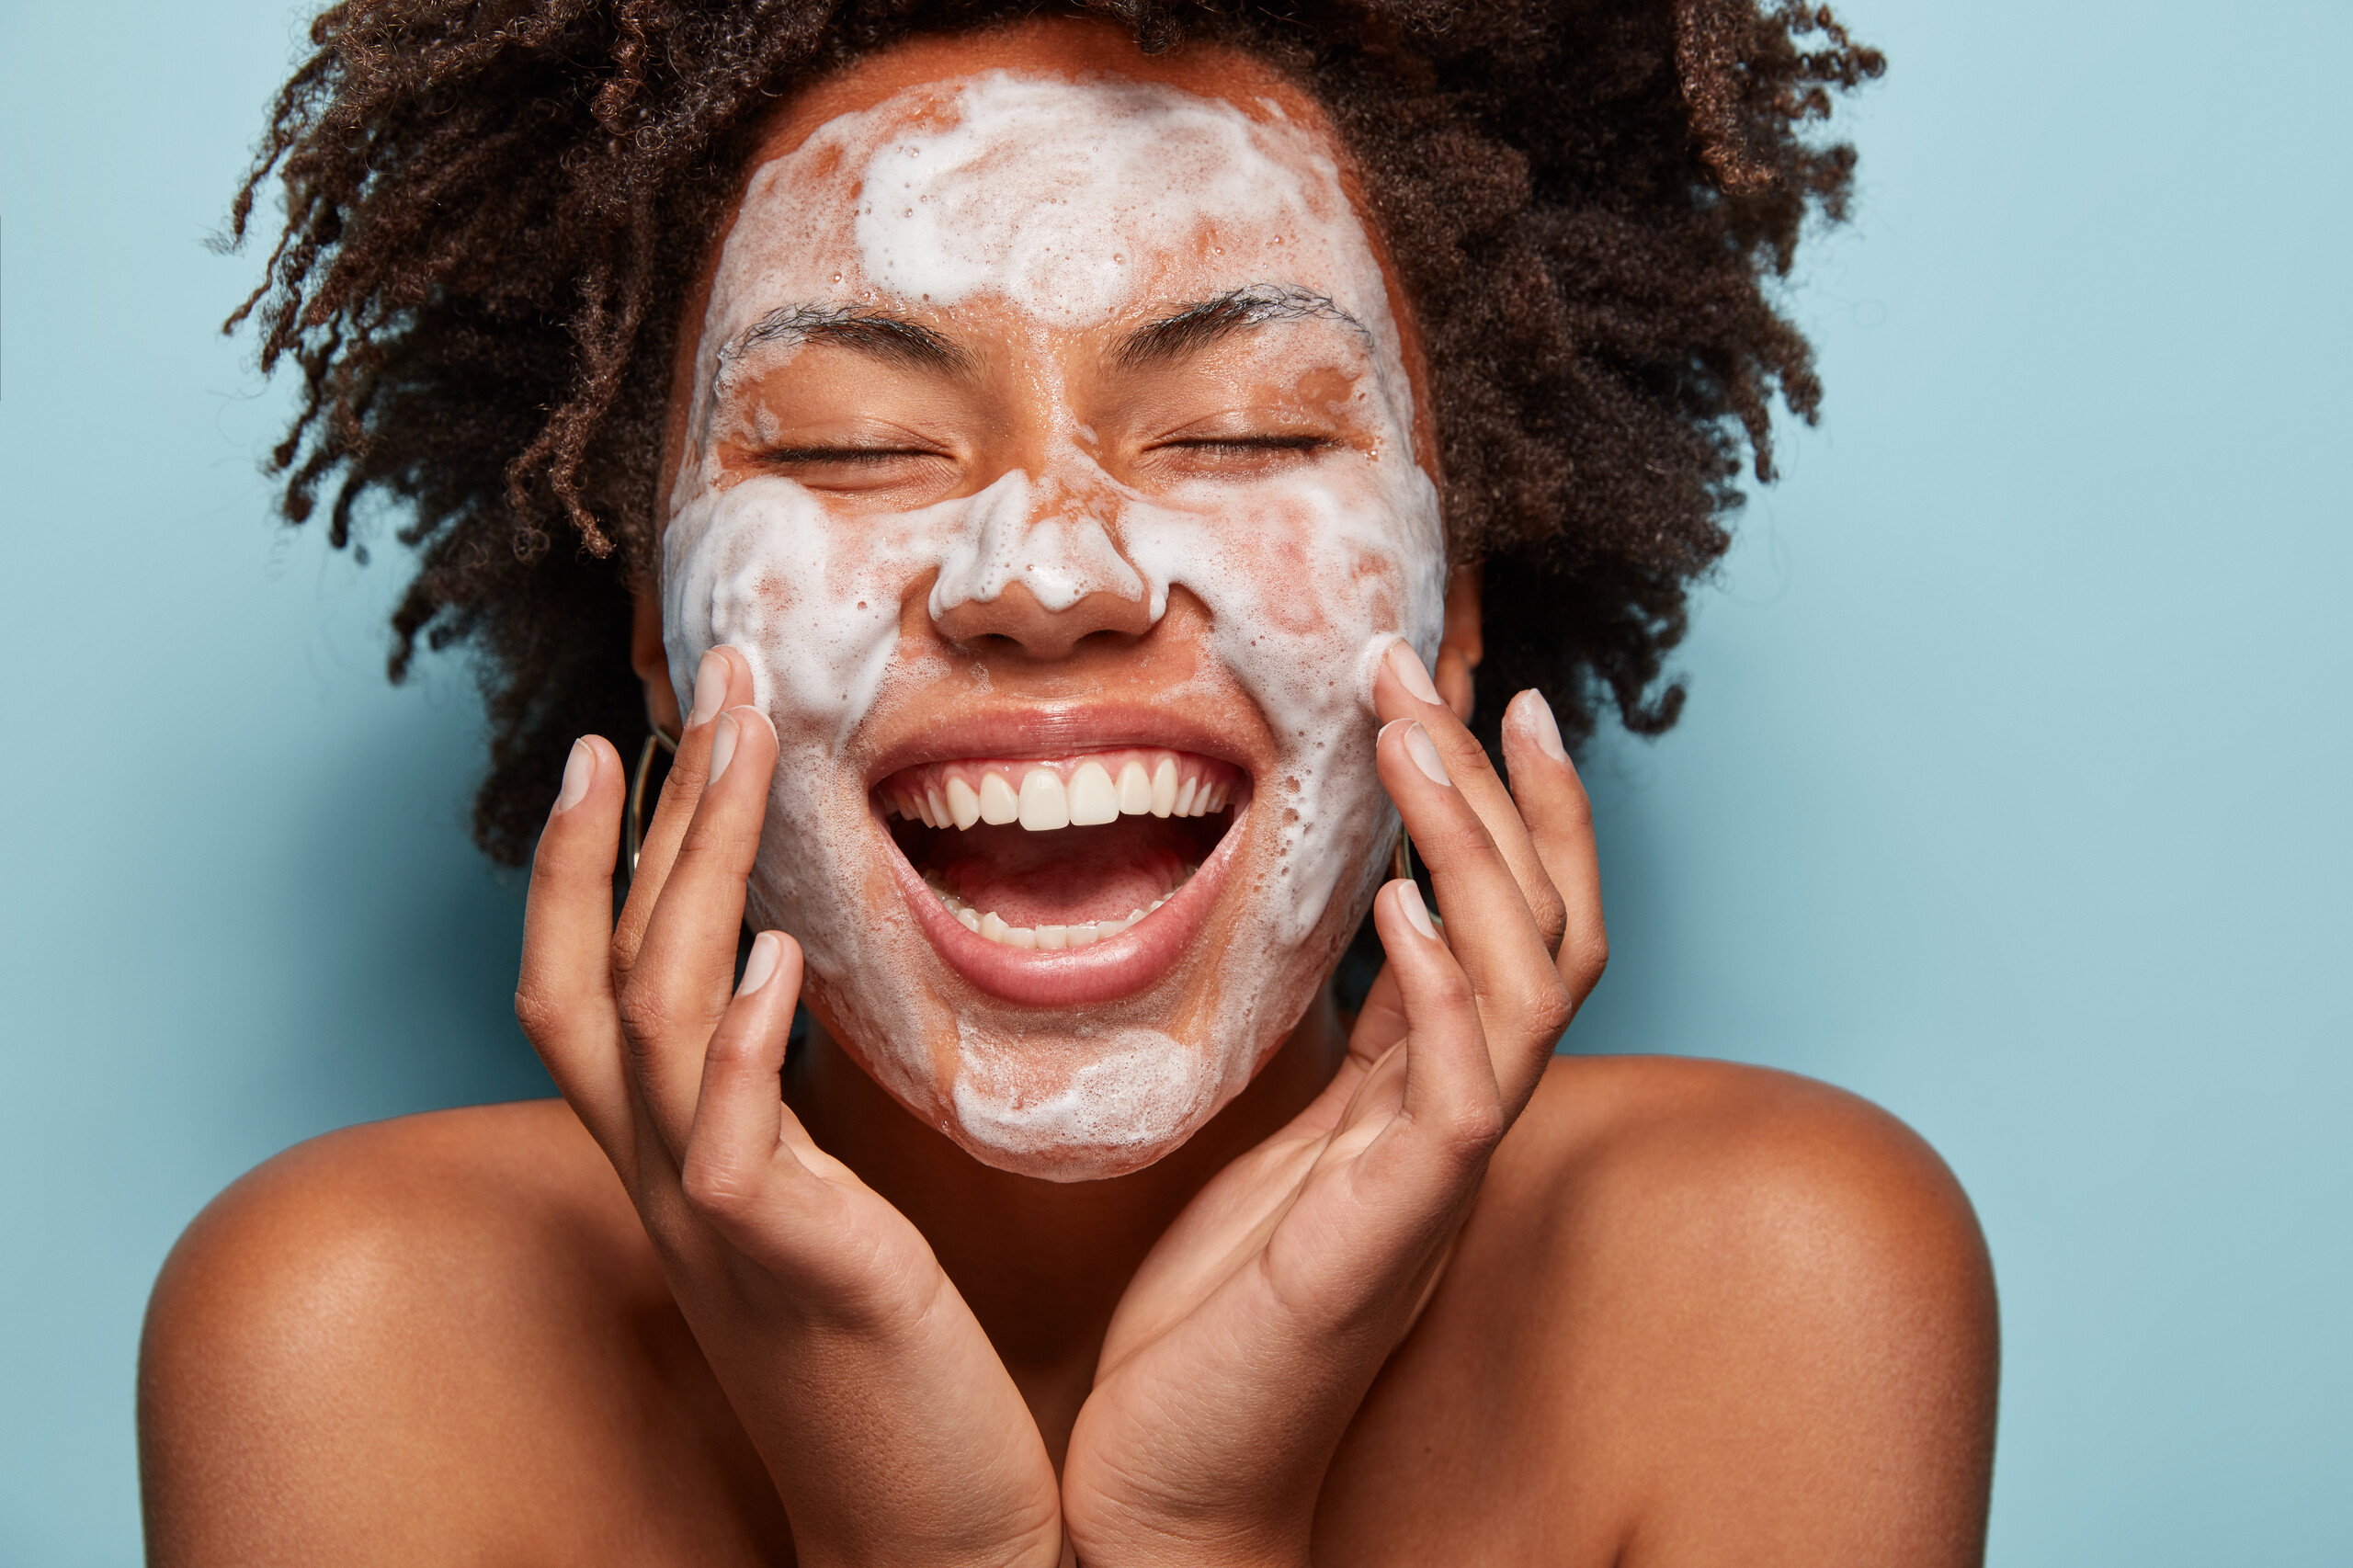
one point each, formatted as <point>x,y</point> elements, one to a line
<point>633,820</point>
<point>1401,858</point>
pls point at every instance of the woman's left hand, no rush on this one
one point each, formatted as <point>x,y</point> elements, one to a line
<point>1244,1343</point>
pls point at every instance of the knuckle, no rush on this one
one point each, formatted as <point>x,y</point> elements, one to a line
<point>730,1049</point>
<point>1567,814</point>
<point>730,847</point>
<point>1478,1127</point>
<point>1592,956</point>
<point>1549,1007</point>
<point>1552,913</point>
<point>645,1014</point>
<point>684,782</point>
<point>540,1013</point>
<point>716,1187</point>
<point>1463,752</point>
<point>1467,1128</point>
<point>629,933</point>
<point>1449,988</point>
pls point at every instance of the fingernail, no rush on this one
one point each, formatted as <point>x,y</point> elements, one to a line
<point>1542,727</point>
<point>710,688</point>
<point>1424,750</point>
<point>579,772</point>
<point>723,747</point>
<point>1409,899</point>
<point>1411,673</point>
<point>760,967</point>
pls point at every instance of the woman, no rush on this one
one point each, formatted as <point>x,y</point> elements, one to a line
<point>1056,482</point>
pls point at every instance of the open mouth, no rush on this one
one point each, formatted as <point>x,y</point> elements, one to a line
<point>1023,859</point>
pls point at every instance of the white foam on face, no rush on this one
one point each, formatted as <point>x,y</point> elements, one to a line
<point>1006,540</point>
<point>1076,203</point>
<point>1115,1092</point>
<point>932,225</point>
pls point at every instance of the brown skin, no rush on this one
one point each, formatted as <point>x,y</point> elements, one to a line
<point>1701,1313</point>
<point>1693,1313</point>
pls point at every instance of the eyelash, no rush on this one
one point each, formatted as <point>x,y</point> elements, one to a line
<point>858,455</point>
<point>1254,444</point>
<point>867,457</point>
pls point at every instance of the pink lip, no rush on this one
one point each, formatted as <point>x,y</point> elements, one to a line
<point>1072,977</point>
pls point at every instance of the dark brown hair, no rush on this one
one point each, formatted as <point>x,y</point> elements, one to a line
<point>495,208</point>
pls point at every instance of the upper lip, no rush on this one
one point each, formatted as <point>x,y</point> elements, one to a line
<point>1042,728</point>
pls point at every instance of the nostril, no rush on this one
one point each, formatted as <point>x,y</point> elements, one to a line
<point>1017,616</point>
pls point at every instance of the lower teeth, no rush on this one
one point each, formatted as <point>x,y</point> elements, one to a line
<point>989,926</point>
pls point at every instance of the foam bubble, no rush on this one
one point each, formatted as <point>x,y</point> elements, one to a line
<point>1091,1111</point>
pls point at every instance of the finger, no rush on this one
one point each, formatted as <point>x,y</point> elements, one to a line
<point>674,996</point>
<point>722,681</point>
<point>1401,689</point>
<point>564,996</point>
<point>739,1117</point>
<point>1559,815</point>
<point>1380,1022</point>
<point>1451,1101</point>
<point>1420,1129</point>
<point>1523,1005</point>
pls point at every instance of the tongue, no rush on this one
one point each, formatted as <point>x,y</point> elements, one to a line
<point>1070,877</point>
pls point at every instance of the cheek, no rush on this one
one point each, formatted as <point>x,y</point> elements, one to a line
<point>811,602</point>
<point>1301,580</point>
<point>1316,570</point>
<point>1284,554</point>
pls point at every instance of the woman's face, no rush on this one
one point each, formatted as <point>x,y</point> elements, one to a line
<point>1048,446</point>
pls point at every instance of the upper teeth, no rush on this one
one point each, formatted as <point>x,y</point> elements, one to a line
<point>961,794</point>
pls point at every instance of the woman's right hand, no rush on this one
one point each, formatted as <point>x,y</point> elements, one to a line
<point>890,1429</point>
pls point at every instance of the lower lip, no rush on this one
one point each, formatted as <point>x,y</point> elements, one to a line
<point>1074,977</point>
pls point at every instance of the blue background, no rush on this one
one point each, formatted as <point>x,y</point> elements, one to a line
<point>2012,793</point>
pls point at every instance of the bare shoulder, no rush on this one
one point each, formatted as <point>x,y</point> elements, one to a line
<point>1747,1168</point>
<point>484,1174</point>
<point>383,1233</point>
<point>1710,1313</point>
<point>343,1349</point>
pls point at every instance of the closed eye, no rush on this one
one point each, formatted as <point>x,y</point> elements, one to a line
<point>799,456</point>
<point>898,476</point>
<point>1242,458</point>
<point>1250,443</point>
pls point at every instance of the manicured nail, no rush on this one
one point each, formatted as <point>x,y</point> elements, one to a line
<point>760,967</point>
<point>710,688</point>
<point>1424,750</point>
<point>1542,727</point>
<point>579,772</point>
<point>1411,673</point>
<point>723,747</point>
<point>1409,899</point>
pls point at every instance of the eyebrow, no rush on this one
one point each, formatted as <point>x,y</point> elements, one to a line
<point>1194,327</point>
<point>893,339</point>
<point>1186,330</point>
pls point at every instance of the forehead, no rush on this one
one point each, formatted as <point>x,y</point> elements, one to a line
<point>1057,170</point>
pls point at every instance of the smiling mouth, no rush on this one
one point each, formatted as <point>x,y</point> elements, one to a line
<point>1050,853</point>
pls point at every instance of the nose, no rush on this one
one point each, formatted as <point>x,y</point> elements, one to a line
<point>1036,564</point>
<point>1018,615</point>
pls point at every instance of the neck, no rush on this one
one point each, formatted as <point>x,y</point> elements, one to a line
<point>1044,1264</point>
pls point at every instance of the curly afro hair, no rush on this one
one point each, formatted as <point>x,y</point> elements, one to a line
<point>1588,202</point>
